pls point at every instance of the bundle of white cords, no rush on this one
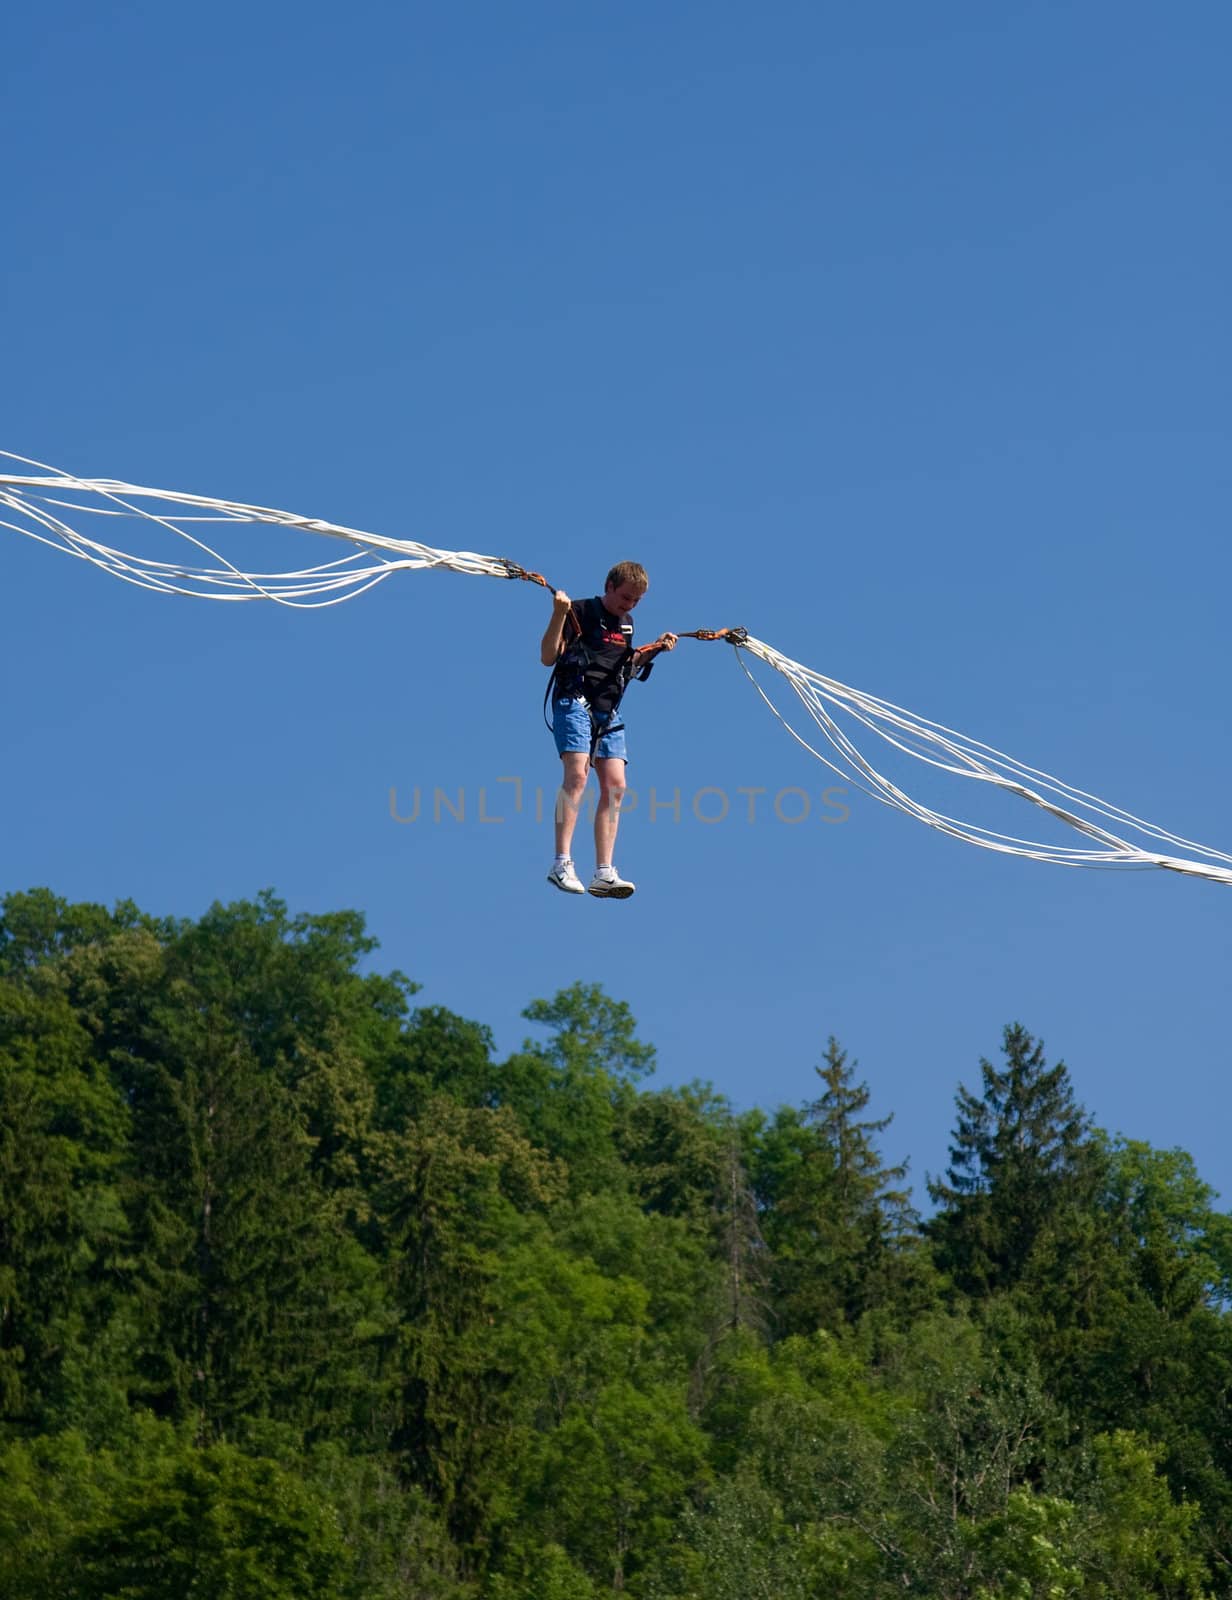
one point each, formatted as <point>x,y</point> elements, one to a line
<point>964,757</point>
<point>38,502</point>
<point>37,505</point>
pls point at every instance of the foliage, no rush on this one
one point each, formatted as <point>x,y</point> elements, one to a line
<point>305,1292</point>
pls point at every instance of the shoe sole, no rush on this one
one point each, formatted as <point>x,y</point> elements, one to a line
<point>622,893</point>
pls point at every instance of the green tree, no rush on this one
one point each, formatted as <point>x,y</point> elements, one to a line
<point>52,1488</point>
<point>436,1053</point>
<point>450,1192</point>
<point>1163,1216</point>
<point>212,1522</point>
<point>674,1146</point>
<point>235,1047</point>
<point>612,1476</point>
<point>836,1220</point>
<point>736,1545</point>
<point>154,1517</point>
<point>397,1547</point>
<point>1123,1306</point>
<point>37,928</point>
<point>1021,1152</point>
<point>63,1232</point>
<point>573,1093</point>
<point>1135,1541</point>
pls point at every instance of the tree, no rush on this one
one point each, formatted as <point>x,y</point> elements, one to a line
<point>449,1195</point>
<point>63,1232</point>
<point>1021,1152</point>
<point>211,1522</point>
<point>1163,1216</point>
<point>674,1146</point>
<point>611,1478</point>
<point>573,1093</point>
<point>234,1047</point>
<point>593,1033</point>
<point>37,928</point>
<point>835,1219</point>
<point>1136,1542</point>
<point>436,1053</point>
<point>155,1516</point>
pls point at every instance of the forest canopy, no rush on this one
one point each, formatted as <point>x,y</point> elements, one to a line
<point>306,1293</point>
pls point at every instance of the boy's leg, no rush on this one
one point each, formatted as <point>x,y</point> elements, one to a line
<point>611,771</point>
<point>576,770</point>
<point>607,883</point>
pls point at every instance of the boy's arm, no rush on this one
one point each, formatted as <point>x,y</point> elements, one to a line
<point>646,654</point>
<point>550,645</point>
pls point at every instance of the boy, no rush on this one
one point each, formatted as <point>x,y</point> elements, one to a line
<point>590,645</point>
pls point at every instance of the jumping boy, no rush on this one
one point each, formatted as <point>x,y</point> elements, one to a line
<point>590,645</point>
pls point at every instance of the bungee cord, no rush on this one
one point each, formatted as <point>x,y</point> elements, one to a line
<point>932,743</point>
<point>37,507</point>
<point>375,557</point>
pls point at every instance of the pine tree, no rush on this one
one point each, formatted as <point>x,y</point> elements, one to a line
<point>836,1217</point>
<point>864,1189</point>
<point>63,1130</point>
<point>674,1146</point>
<point>1022,1153</point>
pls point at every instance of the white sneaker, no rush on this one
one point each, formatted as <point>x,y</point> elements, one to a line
<point>564,877</point>
<point>609,885</point>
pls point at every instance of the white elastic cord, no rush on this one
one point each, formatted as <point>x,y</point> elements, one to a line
<point>975,760</point>
<point>39,500</point>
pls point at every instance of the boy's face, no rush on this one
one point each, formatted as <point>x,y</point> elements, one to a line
<point>622,598</point>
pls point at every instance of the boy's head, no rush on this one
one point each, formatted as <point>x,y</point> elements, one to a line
<point>626,584</point>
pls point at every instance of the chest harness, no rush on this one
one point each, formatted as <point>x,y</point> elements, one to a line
<point>583,672</point>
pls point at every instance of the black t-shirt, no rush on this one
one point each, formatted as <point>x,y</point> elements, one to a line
<point>608,641</point>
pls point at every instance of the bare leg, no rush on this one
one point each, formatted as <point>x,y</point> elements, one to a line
<point>576,770</point>
<point>611,771</point>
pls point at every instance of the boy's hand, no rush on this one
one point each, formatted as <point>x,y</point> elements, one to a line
<point>561,601</point>
<point>667,641</point>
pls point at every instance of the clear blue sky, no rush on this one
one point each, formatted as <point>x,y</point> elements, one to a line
<point>899,334</point>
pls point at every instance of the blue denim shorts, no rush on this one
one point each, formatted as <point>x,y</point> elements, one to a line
<point>571,727</point>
